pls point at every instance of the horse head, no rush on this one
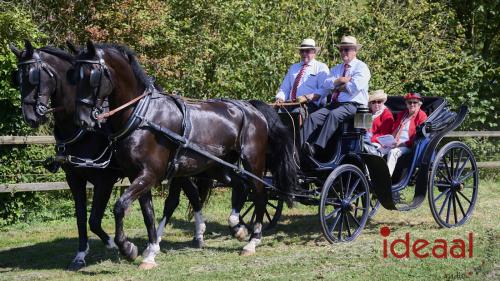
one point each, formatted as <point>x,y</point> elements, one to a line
<point>102,72</point>
<point>39,75</point>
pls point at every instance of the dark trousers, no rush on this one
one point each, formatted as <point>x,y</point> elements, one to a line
<point>324,122</point>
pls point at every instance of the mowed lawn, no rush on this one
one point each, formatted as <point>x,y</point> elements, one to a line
<point>294,250</point>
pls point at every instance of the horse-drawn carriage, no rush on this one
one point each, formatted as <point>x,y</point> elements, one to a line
<point>349,184</point>
<point>152,136</point>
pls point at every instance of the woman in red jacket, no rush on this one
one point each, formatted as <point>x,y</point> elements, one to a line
<point>382,117</point>
<point>404,129</point>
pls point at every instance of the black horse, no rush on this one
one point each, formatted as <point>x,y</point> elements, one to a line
<point>234,131</point>
<point>41,78</point>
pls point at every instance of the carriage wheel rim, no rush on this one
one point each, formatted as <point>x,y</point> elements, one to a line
<point>455,165</point>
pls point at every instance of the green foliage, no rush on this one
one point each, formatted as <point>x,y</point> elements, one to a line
<point>242,49</point>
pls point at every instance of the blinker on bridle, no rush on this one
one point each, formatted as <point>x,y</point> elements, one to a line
<point>95,82</point>
<point>34,79</point>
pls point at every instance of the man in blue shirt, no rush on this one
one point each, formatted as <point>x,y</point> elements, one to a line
<point>304,80</point>
<point>349,82</point>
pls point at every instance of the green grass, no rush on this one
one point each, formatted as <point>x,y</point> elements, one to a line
<point>295,250</point>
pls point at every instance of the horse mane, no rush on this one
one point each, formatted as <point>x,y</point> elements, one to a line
<point>138,70</point>
<point>58,53</point>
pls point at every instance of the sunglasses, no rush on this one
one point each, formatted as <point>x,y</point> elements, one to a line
<point>346,49</point>
<point>412,102</point>
<point>307,51</point>
<point>377,101</point>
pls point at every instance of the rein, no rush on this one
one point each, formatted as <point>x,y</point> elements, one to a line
<point>123,106</point>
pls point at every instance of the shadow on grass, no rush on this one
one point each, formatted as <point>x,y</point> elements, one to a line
<point>57,254</point>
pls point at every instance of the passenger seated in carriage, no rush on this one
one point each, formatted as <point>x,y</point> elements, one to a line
<point>303,82</point>
<point>349,82</point>
<point>383,121</point>
<point>404,129</point>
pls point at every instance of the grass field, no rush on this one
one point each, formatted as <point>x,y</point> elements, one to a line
<point>294,250</point>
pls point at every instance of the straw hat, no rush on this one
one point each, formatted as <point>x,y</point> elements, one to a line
<point>308,44</point>
<point>377,95</point>
<point>349,41</point>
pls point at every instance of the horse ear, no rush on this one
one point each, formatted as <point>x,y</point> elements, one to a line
<point>15,50</point>
<point>72,47</point>
<point>90,47</point>
<point>29,48</point>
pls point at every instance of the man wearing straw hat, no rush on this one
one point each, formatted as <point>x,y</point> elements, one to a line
<point>304,80</point>
<point>349,82</point>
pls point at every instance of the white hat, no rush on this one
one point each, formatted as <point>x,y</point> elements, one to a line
<point>308,44</point>
<point>349,41</point>
<point>377,95</point>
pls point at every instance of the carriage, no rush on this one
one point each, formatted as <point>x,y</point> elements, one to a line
<point>349,185</point>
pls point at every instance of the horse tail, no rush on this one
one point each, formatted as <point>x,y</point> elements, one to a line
<point>280,149</point>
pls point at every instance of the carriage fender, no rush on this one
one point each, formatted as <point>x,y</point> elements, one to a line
<point>380,179</point>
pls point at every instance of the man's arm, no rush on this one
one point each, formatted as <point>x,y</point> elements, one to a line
<point>329,83</point>
<point>358,81</point>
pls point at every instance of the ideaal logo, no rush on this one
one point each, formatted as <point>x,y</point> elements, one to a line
<point>423,248</point>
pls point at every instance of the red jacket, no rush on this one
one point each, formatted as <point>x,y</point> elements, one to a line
<point>382,125</point>
<point>417,119</point>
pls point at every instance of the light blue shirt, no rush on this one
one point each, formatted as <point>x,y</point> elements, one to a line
<point>356,90</point>
<point>310,83</point>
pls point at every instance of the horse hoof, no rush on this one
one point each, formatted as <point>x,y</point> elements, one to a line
<point>241,234</point>
<point>246,252</point>
<point>197,243</point>
<point>130,252</point>
<point>148,265</point>
<point>76,265</point>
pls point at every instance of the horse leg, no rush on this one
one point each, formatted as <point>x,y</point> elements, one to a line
<point>238,197</point>
<point>102,192</point>
<point>255,162</point>
<point>79,192</point>
<point>140,185</point>
<point>191,191</point>
<point>171,204</point>
<point>153,247</point>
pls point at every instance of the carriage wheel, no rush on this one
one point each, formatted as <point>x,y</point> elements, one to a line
<point>453,186</point>
<point>374,206</point>
<point>344,204</point>
<point>274,207</point>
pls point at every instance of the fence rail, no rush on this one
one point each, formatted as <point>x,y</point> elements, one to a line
<point>49,186</point>
<point>13,140</point>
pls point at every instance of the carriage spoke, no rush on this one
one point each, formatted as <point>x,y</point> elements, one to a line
<point>460,192</point>
<point>448,208</point>
<point>341,187</point>
<point>442,193</point>
<point>252,218</point>
<point>357,196</point>
<point>447,168</point>
<point>330,230</point>
<point>462,179</point>
<point>248,210</point>
<point>351,190</point>
<point>461,207</point>
<point>268,216</point>
<point>461,169</point>
<point>348,225</point>
<point>348,184</point>
<point>452,154</point>
<point>439,184</point>
<point>330,215</point>
<point>356,208</point>
<point>444,203</point>
<point>340,227</point>
<point>454,207</point>
<point>271,204</point>
<point>355,220</point>
<point>458,163</point>
<point>444,177</point>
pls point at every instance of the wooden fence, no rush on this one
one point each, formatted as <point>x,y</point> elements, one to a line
<point>49,186</point>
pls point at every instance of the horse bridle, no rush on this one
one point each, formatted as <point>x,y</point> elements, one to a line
<point>95,81</point>
<point>34,79</point>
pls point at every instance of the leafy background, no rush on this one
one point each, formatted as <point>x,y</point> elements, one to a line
<point>241,49</point>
